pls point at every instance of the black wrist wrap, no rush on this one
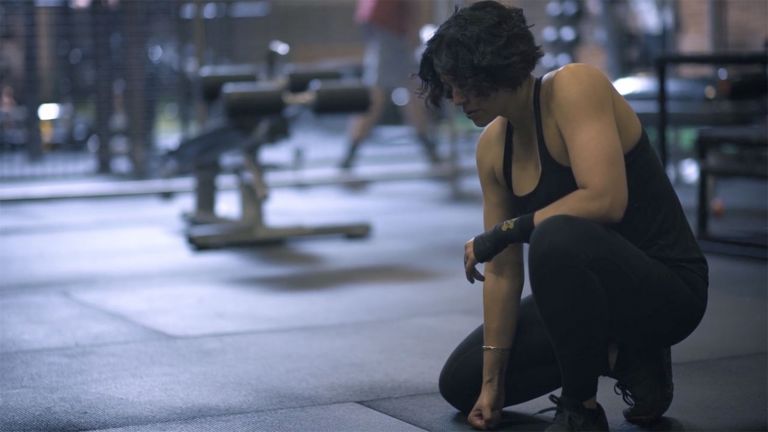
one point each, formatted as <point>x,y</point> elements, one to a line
<point>488,244</point>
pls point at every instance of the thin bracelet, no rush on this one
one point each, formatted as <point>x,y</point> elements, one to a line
<point>494,348</point>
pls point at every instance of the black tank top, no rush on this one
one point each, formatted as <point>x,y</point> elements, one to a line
<point>654,220</point>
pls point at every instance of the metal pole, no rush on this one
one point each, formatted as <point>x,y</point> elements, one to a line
<point>31,81</point>
<point>614,34</point>
<point>182,79</point>
<point>198,31</point>
<point>135,17</point>
<point>101,33</point>
<point>717,24</point>
<point>661,71</point>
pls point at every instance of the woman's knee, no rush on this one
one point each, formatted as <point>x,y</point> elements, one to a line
<point>457,386</point>
<point>557,238</point>
<point>558,244</point>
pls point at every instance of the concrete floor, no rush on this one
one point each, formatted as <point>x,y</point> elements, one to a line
<point>109,321</point>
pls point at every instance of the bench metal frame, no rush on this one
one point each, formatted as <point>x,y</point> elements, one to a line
<point>250,228</point>
<point>709,242</point>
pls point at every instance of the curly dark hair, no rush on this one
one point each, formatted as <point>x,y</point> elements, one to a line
<point>483,47</point>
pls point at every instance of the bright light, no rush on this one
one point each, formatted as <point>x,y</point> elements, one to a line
<point>568,33</point>
<point>49,111</point>
<point>210,11</point>
<point>629,85</point>
<point>280,47</point>
<point>563,59</point>
<point>549,33</point>
<point>689,170</point>
<point>554,9</point>
<point>426,32</point>
<point>400,96</point>
<point>548,61</point>
<point>80,4</point>
<point>155,53</point>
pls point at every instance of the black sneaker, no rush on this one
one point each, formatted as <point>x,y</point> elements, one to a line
<point>572,416</point>
<point>346,164</point>
<point>349,157</point>
<point>645,384</point>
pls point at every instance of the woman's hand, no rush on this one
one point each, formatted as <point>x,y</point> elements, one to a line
<point>470,262</point>
<point>486,414</point>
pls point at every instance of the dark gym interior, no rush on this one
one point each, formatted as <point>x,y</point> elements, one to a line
<point>181,248</point>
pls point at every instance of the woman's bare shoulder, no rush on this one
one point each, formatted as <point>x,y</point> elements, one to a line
<point>576,78</point>
<point>490,146</point>
<point>492,136</point>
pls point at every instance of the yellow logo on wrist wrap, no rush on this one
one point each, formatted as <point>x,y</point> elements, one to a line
<point>508,224</point>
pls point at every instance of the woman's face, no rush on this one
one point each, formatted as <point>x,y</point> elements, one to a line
<point>480,109</point>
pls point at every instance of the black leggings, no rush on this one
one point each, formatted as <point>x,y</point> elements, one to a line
<point>591,288</point>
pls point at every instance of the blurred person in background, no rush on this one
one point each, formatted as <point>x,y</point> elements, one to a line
<point>11,75</point>
<point>391,31</point>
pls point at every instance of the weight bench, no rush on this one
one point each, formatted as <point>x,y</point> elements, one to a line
<point>749,159</point>
<point>255,113</point>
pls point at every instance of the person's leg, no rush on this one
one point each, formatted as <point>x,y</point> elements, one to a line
<point>374,76</point>
<point>361,125</point>
<point>593,287</point>
<point>397,69</point>
<point>415,113</point>
<point>532,370</point>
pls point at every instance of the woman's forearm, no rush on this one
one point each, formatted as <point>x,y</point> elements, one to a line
<point>501,300</point>
<point>585,203</point>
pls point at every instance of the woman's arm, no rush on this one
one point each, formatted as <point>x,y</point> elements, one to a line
<point>582,106</point>
<point>504,273</point>
<point>502,285</point>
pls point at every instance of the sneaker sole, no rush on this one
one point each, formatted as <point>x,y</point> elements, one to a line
<point>646,419</point>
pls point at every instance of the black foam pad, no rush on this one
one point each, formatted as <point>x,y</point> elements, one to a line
<point>253,98</point>
<point>340,97</point>
<point>212,78</point>
<point>299,80</point>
